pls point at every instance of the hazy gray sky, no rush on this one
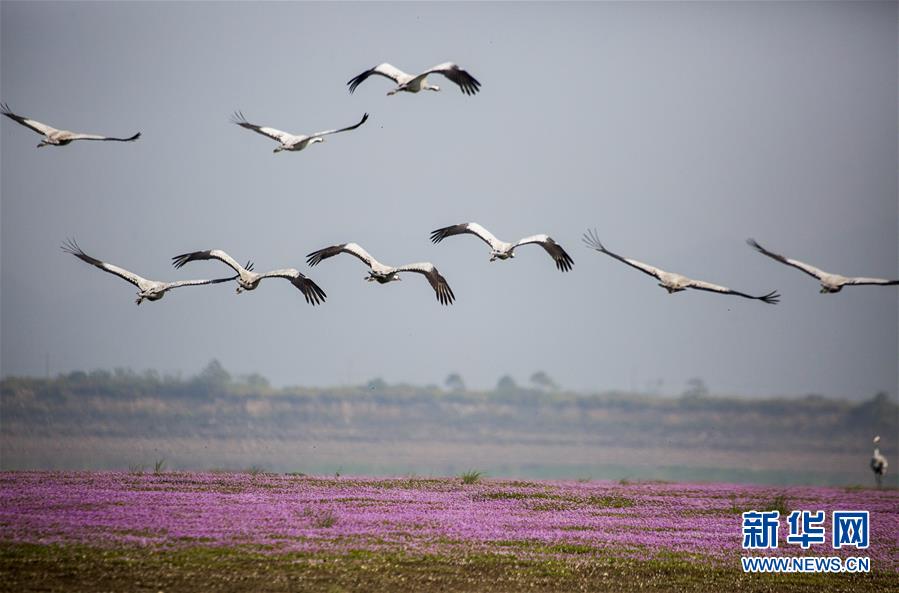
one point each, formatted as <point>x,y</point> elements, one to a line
<point>677,130</point>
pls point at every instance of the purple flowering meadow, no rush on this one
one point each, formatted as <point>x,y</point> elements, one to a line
<point>284,513</point>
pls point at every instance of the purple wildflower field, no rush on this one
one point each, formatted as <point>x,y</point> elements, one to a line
<point>286,513</point>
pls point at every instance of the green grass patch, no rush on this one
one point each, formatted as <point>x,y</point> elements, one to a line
<point>612,501</point>
<point>777,503</point>
<point>471,477</point>
<point>515,495</point>
<point>510,567</point>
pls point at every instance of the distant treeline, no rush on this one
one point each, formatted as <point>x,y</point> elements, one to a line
<point>214,404</point>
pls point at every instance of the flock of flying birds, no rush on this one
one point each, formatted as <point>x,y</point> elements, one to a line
<point>248,279</point>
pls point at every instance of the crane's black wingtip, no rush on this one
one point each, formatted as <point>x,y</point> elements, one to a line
<point>313,292</point>
<point>180,260</point>
<point>447,298</point>
<point>591,240</point>
<point>69,245</point>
